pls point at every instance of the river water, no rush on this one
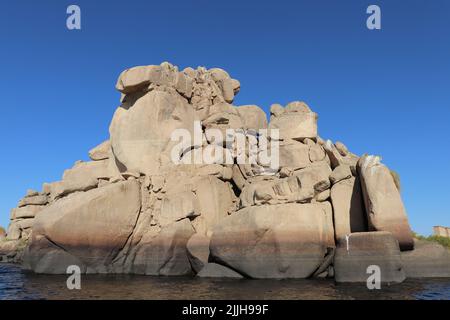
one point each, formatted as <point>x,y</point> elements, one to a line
<point>16,284</point>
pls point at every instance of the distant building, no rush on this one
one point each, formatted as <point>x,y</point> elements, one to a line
<point>441,231</point>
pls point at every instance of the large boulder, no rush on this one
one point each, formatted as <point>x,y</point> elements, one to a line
<point>165,254</point>
<point>205,200</point>
<point>277,241</point>
<point>215,200</point>
<point>14,231</point>
<point>296,121</point>
<point>139,78</point>
<point>384,206</point>
<point>91,226</point>
<point>348,208</point>
<point>141,130</point>
<point>37,200</point>
<point>100,152</point>
<point>221,117</point>
<point>339,155</point>
<point>294,154</point>
<point>83,176</point>
<point>177,206</point>
<point>427,260</point>
<point>356,253</point>
<point>49,258</point>
<point>26,212</point>
<point>254,117</point>
<point>11,250</point>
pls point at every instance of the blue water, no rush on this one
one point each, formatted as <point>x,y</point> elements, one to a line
<point>16,284</point>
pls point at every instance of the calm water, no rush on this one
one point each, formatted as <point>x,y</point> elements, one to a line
<point>15,284</point>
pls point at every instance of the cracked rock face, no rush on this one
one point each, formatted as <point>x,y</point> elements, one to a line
<point>273,241</point>
<point>91,226</point>
<point>132,209</point>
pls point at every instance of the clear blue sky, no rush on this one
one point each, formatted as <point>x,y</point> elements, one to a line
<point>380,92</point>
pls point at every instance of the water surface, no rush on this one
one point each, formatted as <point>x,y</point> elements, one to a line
<point>16,284</point>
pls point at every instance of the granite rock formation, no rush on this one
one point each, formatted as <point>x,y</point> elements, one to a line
<point>322,212</point>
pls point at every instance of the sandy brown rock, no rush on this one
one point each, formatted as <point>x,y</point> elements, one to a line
<point>25,212</point>
<point>149,204</point>
<point>427,260</point>
<point>92,226</point>
<point>14,232</point>
<point>279,241</point>
<point>100,152</point>
<point>348,208</point>
<point>166,253</point>
<point>253,117</point>
<point>297,121</point>
<point>141,131</point>
<point>361,250</point>
<point>33,200</point>
<point>294,154</point>
<point>337,159</point>
<point>198,251</point>
<point>384,206</point>
<point>340,173</point>
<point>214,270</point>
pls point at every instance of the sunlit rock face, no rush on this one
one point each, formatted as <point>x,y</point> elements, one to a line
<point>319,211</point>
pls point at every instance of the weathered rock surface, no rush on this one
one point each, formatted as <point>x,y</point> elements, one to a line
<point>338,158</point>
<point>359,251</point>
<point>214,270</point>
<point>26,212</point>
<point>253,117</point>
<point>295,121</point>
<point>92,226</point>
<point>33,200</point>
<point>279,241</point>
<point>384,206</point>
<point>427,260</point>
<point>198,251</point>
<point>11,250</point>
<point>141,130</point>
<point>348,208</point>
<point>150,204</point>
<point>166,253</point>
<point>100,152</point>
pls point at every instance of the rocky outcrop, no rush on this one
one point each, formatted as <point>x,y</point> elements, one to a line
<point>348,207</point>
<point>360,251</point>
<point>427,260</point>
<point>90,226</point>
<point>385,209</point>
<point>189,184</point>
<point>274,241</point>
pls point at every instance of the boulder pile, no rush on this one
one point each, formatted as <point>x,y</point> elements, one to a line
<point>322,211</point>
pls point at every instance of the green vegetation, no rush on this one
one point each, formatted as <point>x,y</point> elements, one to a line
<point>441,240</point>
